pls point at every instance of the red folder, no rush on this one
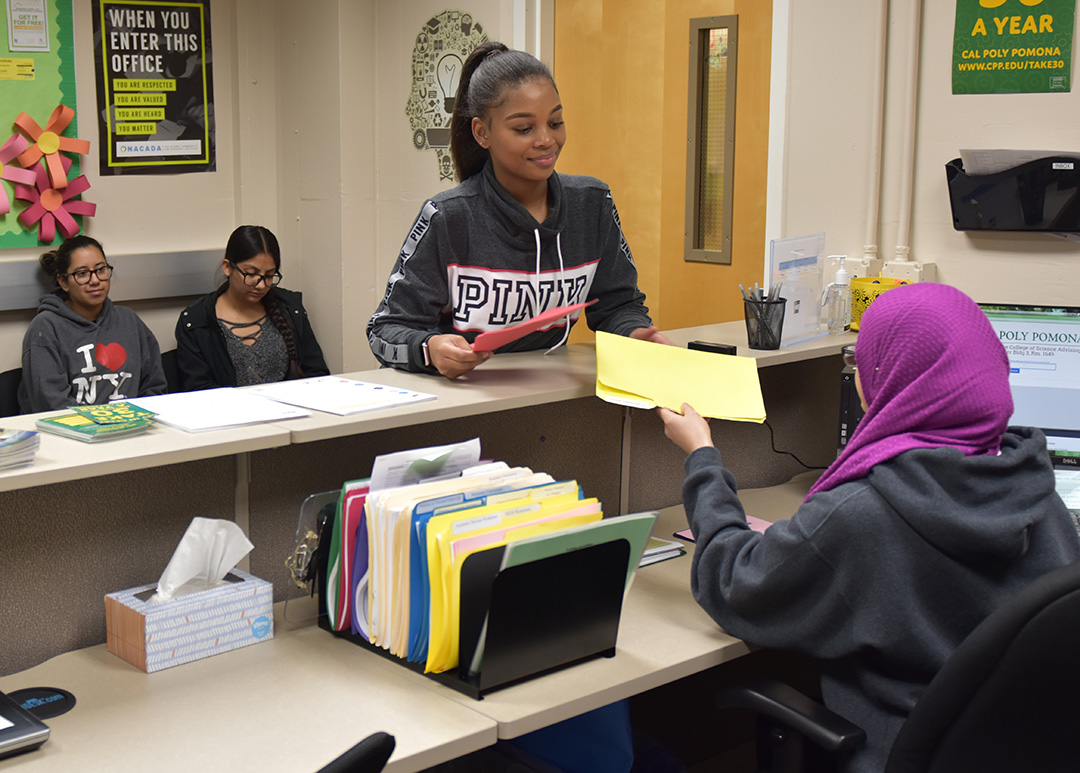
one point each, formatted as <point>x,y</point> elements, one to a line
<point>493,339</point>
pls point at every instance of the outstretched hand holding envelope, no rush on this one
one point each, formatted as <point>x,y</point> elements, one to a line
<point>642,374</point>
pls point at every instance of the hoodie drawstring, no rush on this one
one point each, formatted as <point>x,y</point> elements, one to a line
<point>558,249</point>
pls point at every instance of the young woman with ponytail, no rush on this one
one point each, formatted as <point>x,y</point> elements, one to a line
<point>80,349</point>
<point>513,239</point>
<point>248,331</point>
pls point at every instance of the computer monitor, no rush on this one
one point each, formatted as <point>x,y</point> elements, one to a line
<point>1043,344</point>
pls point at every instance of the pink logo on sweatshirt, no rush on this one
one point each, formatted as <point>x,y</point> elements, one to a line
<point>112,356</point>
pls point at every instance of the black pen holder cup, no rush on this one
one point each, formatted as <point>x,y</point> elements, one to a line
<point>764,323</point>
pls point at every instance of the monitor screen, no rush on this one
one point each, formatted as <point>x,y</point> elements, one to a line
<point>1043,343</point>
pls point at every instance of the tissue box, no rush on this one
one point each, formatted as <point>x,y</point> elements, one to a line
<point>157,636</point>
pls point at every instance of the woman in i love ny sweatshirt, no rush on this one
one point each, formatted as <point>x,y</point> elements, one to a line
<point>80,349</point>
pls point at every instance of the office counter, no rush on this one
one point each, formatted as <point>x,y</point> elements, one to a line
<point>60,459</point>
<point>88,519</point>
<point>293,703</point>
<point>290,704</point>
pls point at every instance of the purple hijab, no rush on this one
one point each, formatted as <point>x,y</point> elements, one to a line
<point>933,374</point>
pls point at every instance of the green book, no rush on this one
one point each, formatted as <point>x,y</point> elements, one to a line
<point>119,412</point>
<point>75,425</point>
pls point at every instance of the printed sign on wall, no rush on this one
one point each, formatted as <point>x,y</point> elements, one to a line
<point>1013,46</point>
<point>439,54</point>
<point>155,86</point>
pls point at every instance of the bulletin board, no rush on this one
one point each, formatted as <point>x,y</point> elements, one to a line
<point>35,82</point>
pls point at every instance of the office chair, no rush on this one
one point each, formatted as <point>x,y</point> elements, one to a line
<point>9,392</point>
<point>172,370</point>
<point>1005,700</point>
<point>368,756</point>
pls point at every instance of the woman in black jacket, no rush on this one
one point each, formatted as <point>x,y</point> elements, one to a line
<point>248,331</point>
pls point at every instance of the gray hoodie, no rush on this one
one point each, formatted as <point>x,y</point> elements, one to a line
<point>880,578</point>
<point>476,260</point>
<point>69,360</point>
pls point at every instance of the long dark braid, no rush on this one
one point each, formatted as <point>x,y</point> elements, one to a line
<point>276,312</point>
<point>245,243</point>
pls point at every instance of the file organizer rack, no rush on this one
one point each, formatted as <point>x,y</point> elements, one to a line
<point>541,616</point>
<point>1041,195</point>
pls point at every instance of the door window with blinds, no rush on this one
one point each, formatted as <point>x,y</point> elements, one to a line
<point>710,139</point>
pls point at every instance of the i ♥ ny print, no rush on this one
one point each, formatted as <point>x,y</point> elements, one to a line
<point>111,356</point>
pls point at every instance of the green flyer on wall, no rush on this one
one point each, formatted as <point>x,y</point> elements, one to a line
<point>1013,46</point>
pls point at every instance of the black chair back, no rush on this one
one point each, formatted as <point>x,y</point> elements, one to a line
<point>1006,698</point>
<point>9,392</point>
<point>172,370</point>
<point>368,756</point>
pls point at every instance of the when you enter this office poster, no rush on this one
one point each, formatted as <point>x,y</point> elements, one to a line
<point>154,86</point>
<point>1013,46</point>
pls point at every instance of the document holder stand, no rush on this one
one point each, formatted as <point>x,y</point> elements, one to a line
<point>540,616</point>
<point>1041,195</point>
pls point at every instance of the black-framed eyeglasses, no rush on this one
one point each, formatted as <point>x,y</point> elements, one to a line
<point>252,278</point>
<point>849,355</point>
<point>82,275</point>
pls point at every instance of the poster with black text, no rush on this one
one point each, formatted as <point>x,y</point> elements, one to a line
<point>155,87</point>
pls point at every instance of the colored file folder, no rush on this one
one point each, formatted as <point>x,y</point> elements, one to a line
<point>493,339</point>
<point>643,374</point>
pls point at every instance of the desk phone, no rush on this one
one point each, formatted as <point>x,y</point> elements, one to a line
<point>20,731</point>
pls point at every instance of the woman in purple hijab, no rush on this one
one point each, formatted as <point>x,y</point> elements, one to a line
<point>929,519</point>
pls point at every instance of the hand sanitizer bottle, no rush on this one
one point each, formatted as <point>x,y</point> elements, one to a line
<point>836,301</point>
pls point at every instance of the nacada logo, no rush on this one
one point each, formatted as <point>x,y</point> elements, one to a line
<point>140,147</point>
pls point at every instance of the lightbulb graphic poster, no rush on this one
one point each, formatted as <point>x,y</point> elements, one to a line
<point>442,45</point>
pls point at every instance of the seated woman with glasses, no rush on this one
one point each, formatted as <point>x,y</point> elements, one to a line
<point>248,331</point>
<point>80,349</point>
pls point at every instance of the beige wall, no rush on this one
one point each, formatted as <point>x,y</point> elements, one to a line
<point>342,188</point>
<point>148,214</point>
<point>831,78</point>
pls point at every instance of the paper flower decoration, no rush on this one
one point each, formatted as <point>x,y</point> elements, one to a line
<point>8,151</point>
<point>49,143</point>
<point>51,207</point>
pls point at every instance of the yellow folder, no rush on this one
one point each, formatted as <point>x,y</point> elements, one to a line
<point>643,374</point>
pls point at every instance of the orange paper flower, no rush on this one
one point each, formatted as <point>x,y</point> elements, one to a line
<point>49,143</point>
<point>51,207</point>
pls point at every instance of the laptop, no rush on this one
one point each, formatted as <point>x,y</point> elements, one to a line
<point>1043,344</point>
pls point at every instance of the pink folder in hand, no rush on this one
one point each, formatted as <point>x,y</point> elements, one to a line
<point>493,339</point>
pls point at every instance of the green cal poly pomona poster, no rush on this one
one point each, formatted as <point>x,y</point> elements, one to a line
<point>1013,46</point>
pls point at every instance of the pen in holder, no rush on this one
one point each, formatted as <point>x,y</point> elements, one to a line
<point>764,317</point>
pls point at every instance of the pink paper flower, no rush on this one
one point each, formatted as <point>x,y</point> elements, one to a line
<point>49,143</point>
<point>14,174</point>
<point>52,207</point>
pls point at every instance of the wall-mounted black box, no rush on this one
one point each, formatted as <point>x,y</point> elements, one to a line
<point>1041,195</point>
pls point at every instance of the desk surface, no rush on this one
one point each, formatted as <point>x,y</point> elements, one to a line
<point>290,704</point>
<point>61,459</point>
<point>663,636</point>
<point>506,382</point>
<point>269,706</point>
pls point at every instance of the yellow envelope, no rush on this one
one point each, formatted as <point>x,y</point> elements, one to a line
<point>643,374</point>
